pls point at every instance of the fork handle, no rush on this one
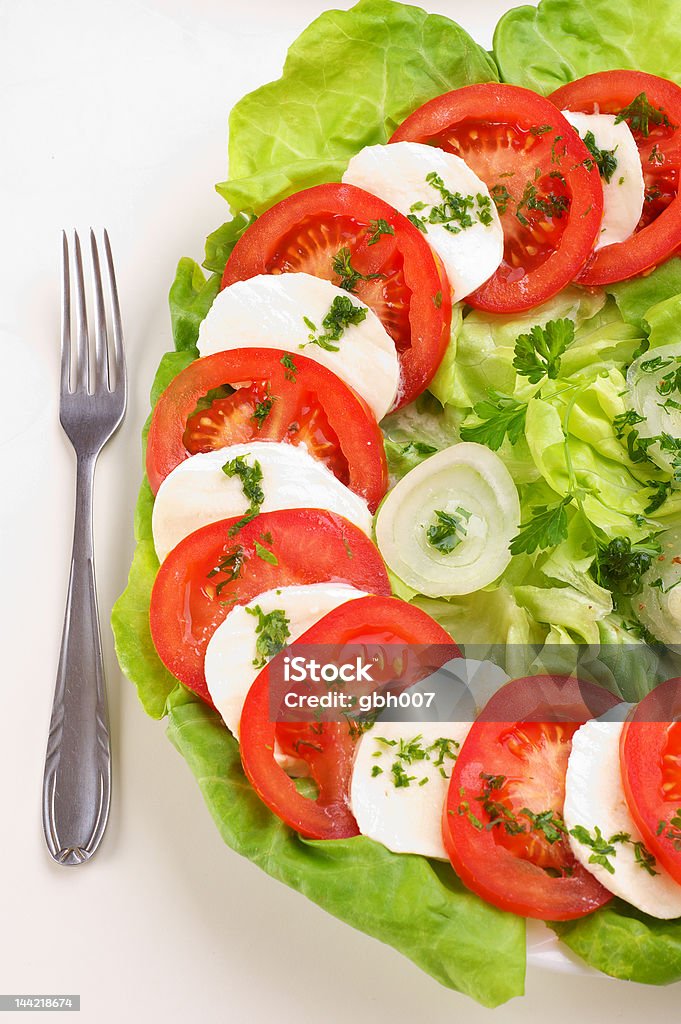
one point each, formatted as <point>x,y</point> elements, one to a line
<point>77,780</point>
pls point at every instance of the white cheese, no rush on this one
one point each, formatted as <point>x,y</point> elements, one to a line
<point>397,173</point>
<point>197,491</point>
<point>623,194</point>
<point>268,311</point>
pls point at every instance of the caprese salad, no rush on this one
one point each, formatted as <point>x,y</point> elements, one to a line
<point>438,402</point>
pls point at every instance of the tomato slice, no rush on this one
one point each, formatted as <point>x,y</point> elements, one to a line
<point>210,571</point>
<point>658,233</point>
<point>327,747</point>
<point>650,758</point>
<point>550,201</point>
<point>503,820</point>
<point>271,402</point>
<point>399,277</point>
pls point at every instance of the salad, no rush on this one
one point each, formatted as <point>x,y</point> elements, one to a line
<point>429,394</point>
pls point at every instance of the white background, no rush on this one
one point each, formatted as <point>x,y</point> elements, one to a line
<point>115,114</point>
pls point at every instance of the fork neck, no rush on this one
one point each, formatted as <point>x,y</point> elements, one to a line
<point>82,528</point>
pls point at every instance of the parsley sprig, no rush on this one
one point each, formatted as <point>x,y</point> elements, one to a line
<point>502,415</point>
<point>376,229</point>
<point>546,529</point>
<point>538,353</point>
<point>604,849</point>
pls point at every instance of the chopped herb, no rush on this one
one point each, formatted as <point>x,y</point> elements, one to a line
<point>656,157</point>
<point>550,824</point>
<point>661,490</point>
<point>376,229</point>
<point>541,129</point>
<point>348,550</point>
<point>272,632</point>
<point>604,159</point>
<point>501,197</point>
<point>555,157</point>
<point>289,366</point>
<point>445,748</point>
<point>551,204</point>
<point>640,114</point>
<point>265,555</point>
<point>604,849</point>
<point>620,564</point>
<point>262,410</point>
<point>626,419</point>
<point>251,479</point>
<point>437,300</point>
<point>349,277</point>
<point>376,770</point>
<point>546,529</point>
<point>448,530</point>
<point>502,416</point>
<point>229,564</point>
<point>400,777</point>
<point>671,830</point>
<point>417,448</point>
<point>342,313</point>
<point>538,353</point>
<point>455,213</point>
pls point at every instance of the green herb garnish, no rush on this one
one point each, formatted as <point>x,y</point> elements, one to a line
<point>640,114</point>
<point>546,529</point>
<point>376,229</point>
<point>272,632</point>
<point>342,313</point>
<point>502,415</point>
<point>538,353</point>
<point>349,277</point>
<point>449,529</point>
<point>251,479</point>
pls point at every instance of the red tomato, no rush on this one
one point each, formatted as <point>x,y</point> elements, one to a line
<point>503,820</point>
<point>398,275</point>
<point>209,572</point>
<point>650,757</point>
<point>658,233</point>
<point>550,202</point>
<point>305,405</point>
<point>327,747</point>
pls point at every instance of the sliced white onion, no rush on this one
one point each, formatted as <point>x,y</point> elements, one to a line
<point>466,477</point>
<point>659,606</point>
<point>660,416</point>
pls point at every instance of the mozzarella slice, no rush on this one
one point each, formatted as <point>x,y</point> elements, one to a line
<point>231,650</point>
<point>268,311</point>
<point>594,796</point>
<point>397,173</point>
<point>197,492</point>
<point>623,195</point>
<point>404,818</point>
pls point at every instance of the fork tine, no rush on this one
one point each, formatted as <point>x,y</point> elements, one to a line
<point>119,354</point>
<point>65,371</point>
<point>101,374</point>
<point>82,343</point>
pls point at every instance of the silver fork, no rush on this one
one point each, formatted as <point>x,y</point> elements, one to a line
<point>77,780</point>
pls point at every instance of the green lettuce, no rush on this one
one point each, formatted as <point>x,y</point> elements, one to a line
<point>542,48</point>
<point>416,905</point>
<point>348,82</point>
<point>625,943</point>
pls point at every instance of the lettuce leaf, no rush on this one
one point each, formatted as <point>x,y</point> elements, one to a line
<point>348,82</point>
<point>635,297</point>
<point>416,905</point>
<point>624,943</point>
<point>561,40</point>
